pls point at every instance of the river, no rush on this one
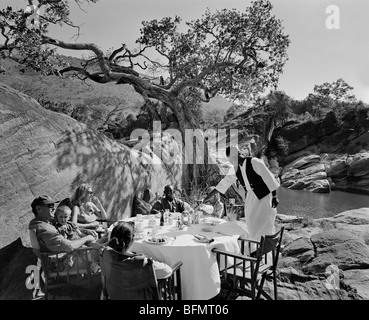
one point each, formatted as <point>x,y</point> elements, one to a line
<point>318,205</point>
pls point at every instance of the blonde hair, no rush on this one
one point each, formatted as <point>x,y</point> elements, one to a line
<point>62,209</point>
<point>79,194</point>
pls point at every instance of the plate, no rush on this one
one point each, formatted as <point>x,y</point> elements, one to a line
<point>212,221</point>
<point>157,240</point>
<point>207,229</point>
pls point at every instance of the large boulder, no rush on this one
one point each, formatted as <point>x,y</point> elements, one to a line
<point>44,152</point>
<point>348,172</point>
<point>339,247</point>
<point>325,172</point>
<point>342,145</point>
<point>309,249</point>
<point>306,173</point>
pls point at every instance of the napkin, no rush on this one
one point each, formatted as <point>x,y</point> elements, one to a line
<point>231,228</point>
<point>203,238</point>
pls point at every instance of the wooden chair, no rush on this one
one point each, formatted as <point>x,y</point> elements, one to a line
<point>170,288</point>
<point>245,273</point>
<point>57,272</point>
<point>130,279</point>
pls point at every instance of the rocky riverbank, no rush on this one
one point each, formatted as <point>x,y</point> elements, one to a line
<point>326,172</point>
<point>309,247</point>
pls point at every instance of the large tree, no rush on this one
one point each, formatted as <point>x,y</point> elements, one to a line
<point>227,52</point>
<point>235,54</point>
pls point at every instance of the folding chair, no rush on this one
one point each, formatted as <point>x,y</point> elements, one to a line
<point>245,273</point>
<point>170,288</point>
<point>130,279</point>
<point>57,272</point>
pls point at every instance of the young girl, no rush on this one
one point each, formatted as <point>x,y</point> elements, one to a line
<point>121,240</point>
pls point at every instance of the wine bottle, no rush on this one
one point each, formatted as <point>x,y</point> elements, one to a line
<point>162,218</point>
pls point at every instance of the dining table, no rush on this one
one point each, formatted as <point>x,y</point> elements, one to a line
<point>193,244</point>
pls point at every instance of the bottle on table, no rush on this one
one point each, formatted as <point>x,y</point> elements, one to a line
<point>196,218</point>
<point>185,217</point>
<point>166,216</point>
<point>162,218</point>
<point>179,221</point>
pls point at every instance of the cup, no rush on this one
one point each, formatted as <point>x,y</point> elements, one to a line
<point>156,230</point>
<point>139,226</point>
<point>139,217</point>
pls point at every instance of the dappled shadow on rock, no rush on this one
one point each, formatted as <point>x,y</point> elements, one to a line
<point>109,168</point>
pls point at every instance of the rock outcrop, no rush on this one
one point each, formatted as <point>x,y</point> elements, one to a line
<point>301,135</point>
<point>342,240</point>
<point>306,173</point>
<point>326,172</point>
<point>329,135</point>
<point>328,154</point>
<point>44,152</point>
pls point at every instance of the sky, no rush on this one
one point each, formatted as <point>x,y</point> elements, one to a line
<point>317,53</point>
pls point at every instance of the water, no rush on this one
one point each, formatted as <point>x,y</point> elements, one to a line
<point>318,205</point>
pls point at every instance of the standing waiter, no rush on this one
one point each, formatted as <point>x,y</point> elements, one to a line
<point>261,185</point>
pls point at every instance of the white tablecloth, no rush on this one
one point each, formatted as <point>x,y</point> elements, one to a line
<point>199,273</point>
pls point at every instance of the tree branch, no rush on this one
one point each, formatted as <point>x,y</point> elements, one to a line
<point>81,46</point>
<point>96,77</point>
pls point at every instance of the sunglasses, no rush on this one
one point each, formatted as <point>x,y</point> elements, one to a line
<point>90,192</point>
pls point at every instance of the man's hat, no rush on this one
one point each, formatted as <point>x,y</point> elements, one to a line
<point>42,200</point>
<point>168,188</point>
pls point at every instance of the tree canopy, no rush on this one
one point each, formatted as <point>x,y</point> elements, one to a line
<point>338,90</point>
<point>227,52</point>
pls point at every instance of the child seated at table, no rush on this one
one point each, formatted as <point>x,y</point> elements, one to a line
<point>121,240</point>
<point>215,202</point>
<point>67,228</point>
<point>70,231</point>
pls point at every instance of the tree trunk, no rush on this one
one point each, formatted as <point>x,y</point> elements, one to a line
<point>186,120</point>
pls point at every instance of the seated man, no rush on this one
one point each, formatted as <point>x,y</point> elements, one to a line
<point>168,202</point>
<point>50,240</point>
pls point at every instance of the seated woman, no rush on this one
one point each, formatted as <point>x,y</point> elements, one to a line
<point>216,203</point>
<point>121,240</point>
<point>86,208</point>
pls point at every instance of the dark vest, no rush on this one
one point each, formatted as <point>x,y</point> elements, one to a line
<point>256,182</point>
